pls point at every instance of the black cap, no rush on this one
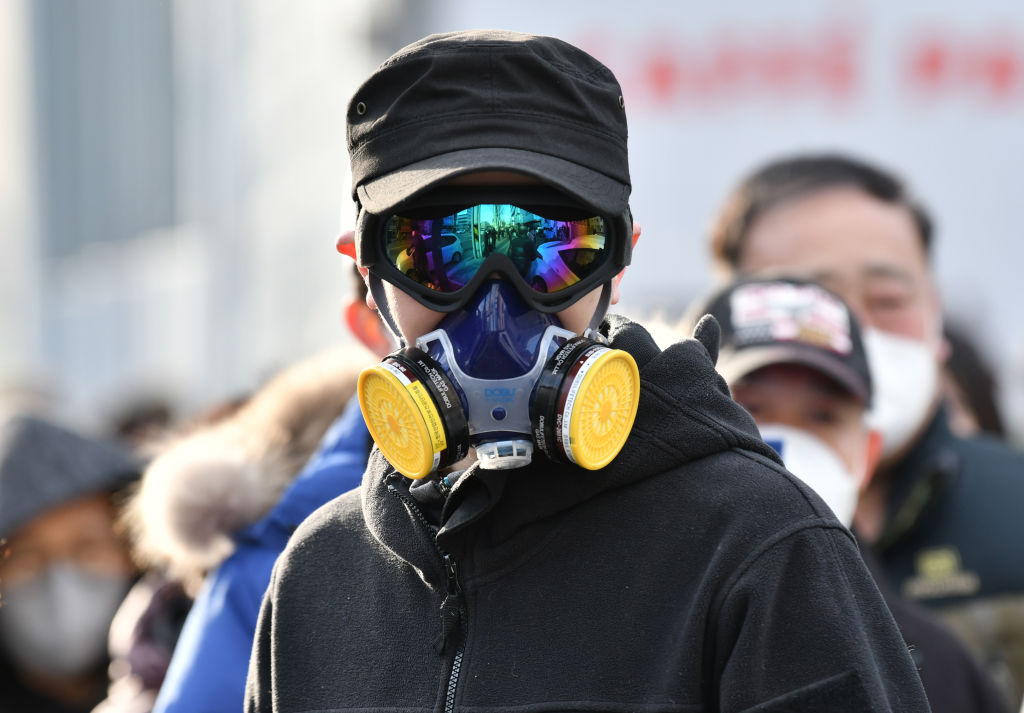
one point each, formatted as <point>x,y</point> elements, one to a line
<point>43,466</point>
<point>489,100</point>
<point>788,321</point>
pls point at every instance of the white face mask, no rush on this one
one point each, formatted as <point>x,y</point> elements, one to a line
<point>906,380</point>
<point>808,457</point>
<point>57,623</point>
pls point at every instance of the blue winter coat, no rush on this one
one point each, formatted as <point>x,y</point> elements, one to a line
<point>207,672</point>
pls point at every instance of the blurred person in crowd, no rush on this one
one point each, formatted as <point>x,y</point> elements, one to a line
<point>65,568</point>
<point>147,625</point>
<point>941,511</point>
<point>142,421</point>
<point>970,387</point>
<point>223,500</point>
<point>793,356</point>
<point>142,637</point>
<point>631,544</point>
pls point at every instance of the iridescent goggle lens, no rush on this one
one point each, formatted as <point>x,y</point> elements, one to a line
<point>444,253</point>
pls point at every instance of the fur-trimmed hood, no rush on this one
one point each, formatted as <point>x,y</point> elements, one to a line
<point>205,485</point>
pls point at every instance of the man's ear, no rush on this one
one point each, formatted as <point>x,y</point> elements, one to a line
<point>875,443</point>
<point>618,278</point>
<point>364,323</point>
<point>346,244</point>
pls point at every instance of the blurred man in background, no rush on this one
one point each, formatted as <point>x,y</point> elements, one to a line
<point>65,569</point>
<point>942,511</point>
<point>793,356</point>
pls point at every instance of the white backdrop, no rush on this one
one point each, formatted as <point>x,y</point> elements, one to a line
<point>933,90</point>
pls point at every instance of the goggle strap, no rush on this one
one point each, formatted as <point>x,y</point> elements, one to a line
<point>602,308</point>
<point>376,287</point>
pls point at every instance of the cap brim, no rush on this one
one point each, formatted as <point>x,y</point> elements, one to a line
<point>749,359</point>
<point>593,188</point>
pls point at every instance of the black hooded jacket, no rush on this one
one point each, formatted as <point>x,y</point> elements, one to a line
<point>691,574</point>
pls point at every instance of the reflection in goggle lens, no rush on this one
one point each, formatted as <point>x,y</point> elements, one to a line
<point>444,253</point>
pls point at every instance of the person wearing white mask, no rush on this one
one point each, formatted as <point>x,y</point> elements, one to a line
<point>64,569</point>
<point>941,511</point>
<point>793,356</point>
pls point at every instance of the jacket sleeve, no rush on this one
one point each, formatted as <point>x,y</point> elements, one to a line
<point>804,628</point>
<point>259,694</point>
<point>207,672</point>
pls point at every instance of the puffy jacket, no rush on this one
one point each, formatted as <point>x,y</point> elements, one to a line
<point>221,501</point>
<point>208,669</point>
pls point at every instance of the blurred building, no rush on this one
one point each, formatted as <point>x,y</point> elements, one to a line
<point>173,181</point>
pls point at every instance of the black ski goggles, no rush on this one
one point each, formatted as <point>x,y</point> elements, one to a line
<point>553,253</point>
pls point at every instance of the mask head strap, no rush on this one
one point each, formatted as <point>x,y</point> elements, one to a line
<point>602,309</point>
<point>376,287</point>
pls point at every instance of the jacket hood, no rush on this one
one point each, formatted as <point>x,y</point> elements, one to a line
<point>204,486</point>
<point>43,465</point>
<point>685,413</point>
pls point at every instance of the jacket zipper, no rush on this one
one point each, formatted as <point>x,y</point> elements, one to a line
<point>453,607</point>
<point>455,592</point>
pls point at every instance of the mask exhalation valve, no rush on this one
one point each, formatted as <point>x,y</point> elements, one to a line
<point>503,455</point>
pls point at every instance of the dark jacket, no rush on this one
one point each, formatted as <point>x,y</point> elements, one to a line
<point>693,573</point>
<point>954,542</point>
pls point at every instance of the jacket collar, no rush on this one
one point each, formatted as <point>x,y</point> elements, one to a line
<point>924,473</point>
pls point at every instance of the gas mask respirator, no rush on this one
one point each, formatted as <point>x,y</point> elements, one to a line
<point>504,379</point>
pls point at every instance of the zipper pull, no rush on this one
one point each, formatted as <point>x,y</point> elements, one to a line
<point>451,607</point>
<point>451,569</point>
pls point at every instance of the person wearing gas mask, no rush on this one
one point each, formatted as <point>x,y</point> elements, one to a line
<point>793,356</point>
<point>556,515</point>
<point>941,511</point>
<point>64,570</point>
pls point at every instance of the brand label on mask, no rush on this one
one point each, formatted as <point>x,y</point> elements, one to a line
<point>438,381</point>
<point>558,360</point>
<point>500,394</point>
